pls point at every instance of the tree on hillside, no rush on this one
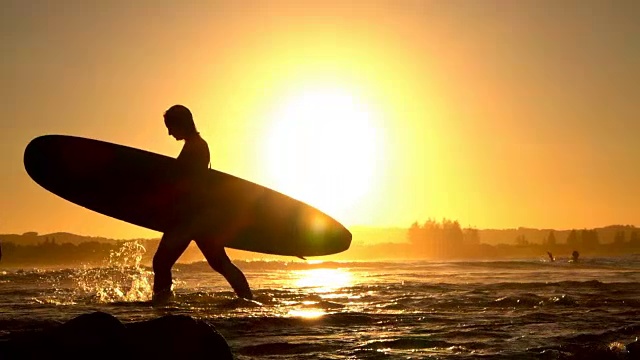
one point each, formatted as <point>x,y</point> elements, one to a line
<point>619,238</point>
<point>521,240</point>
<point>572,239</point>
<point>432,231</point>
<point>415,233</point>
<point>589,239</point>
<point>436,237</point>
<point>452,232</point>
<point>471,236</point>
<point>551,239</point>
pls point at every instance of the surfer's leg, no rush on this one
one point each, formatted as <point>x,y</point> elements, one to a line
<point>220,262</point>
<point>172,245</point>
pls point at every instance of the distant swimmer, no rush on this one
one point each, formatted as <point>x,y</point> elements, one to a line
<point>551,258</point>
<point>574,256</point>
<point>194,157</point>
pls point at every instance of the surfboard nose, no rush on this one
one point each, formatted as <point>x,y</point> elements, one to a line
<point>335,237</point>
<point>32,158</point>
<point>343,237</point>
<point>48,159</point>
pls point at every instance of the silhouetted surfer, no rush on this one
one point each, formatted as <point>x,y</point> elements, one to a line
<point>194,156</point>
<point>551,258</point>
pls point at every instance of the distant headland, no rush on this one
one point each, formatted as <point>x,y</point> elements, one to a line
<point>431,240</point>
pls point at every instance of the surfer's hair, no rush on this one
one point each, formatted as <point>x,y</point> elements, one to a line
<point>180,116</point>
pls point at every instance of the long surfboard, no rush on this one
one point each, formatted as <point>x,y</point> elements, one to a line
<point>152,191</point>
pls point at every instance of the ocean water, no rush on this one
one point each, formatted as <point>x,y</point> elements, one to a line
<point>521,309</point>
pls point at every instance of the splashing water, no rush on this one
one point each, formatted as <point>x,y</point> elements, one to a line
<point>123,278</point>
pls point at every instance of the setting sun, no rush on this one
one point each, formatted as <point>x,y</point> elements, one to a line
<point>323,148</point>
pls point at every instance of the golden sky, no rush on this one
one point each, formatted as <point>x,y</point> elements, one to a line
<point>496,113</point>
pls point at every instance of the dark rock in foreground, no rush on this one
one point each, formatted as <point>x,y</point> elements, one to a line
<point>101,336</point>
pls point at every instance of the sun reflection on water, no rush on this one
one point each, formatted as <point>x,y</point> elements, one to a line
<point>307,313</point>
<point>323,280</point>
<point>318,281</point>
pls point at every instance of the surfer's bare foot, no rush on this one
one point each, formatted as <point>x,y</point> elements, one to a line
<point>245,294</point>
<point>162,297</point>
